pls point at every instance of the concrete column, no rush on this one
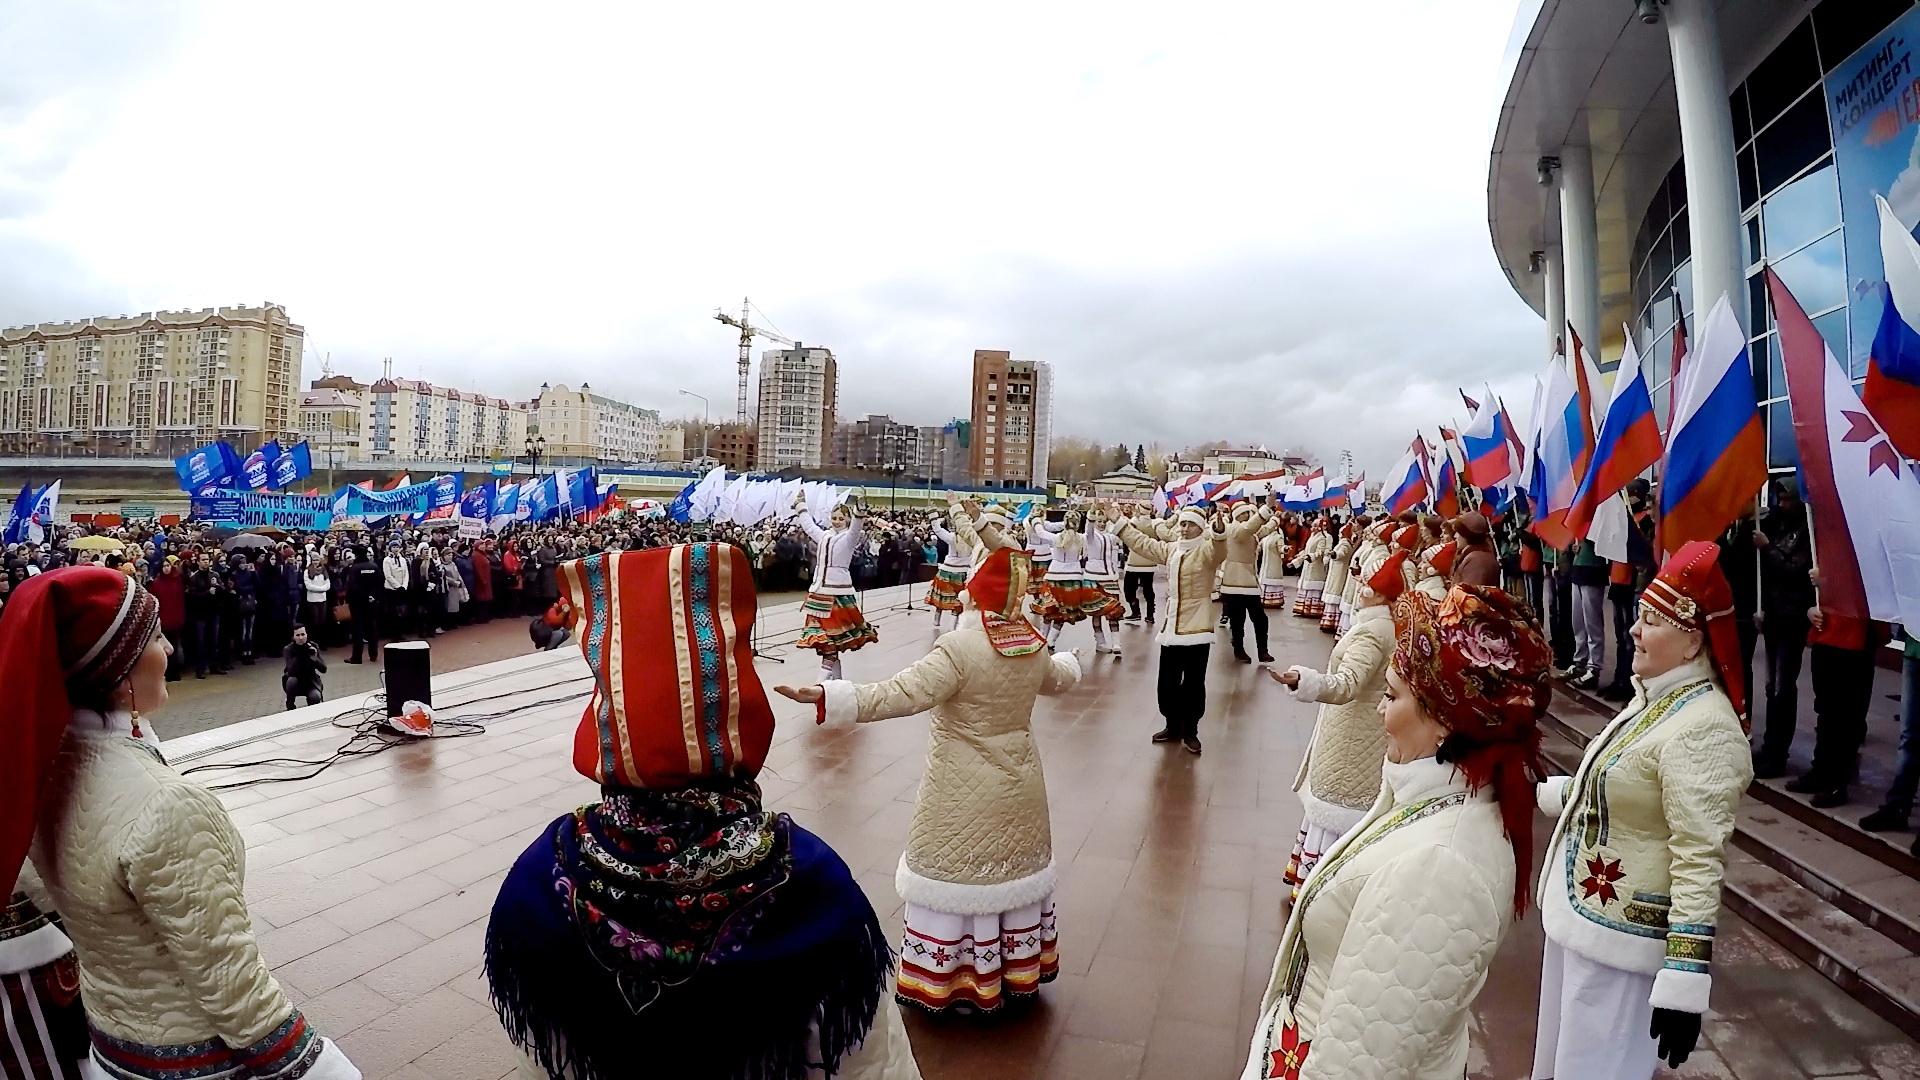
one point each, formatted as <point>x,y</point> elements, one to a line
<point>1580,247</point>
<point>1706,146</point>
<point>1556,294</point>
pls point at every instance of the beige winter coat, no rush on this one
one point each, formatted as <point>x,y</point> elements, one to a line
<point>1340,776</point>
<point>1159,529</point>
<point>1240,566</point>
<point>1273,558</point>
<point>146,870</point>
<point>981,841</point>
<point>1186,617</point>
<point>1338,568</point>
<point>1312,559</point>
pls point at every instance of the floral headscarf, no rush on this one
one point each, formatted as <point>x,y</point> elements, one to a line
<point>1477,663</point>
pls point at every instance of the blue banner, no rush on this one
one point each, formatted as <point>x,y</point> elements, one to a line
<point>215,464</point>
<point>543,499</point>
<point>412,499</point>
<point>293,465</point>
<point>477,503</point>
<point>257,471</point>
<point>506,500</point>
<point>309,513</point>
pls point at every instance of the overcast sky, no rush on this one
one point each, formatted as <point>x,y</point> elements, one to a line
<point>1253,221</point>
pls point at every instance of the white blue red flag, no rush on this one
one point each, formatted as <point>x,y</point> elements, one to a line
<point>1716,453</point>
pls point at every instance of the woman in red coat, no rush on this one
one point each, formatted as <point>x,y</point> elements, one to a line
<point>483,581</point>
<point>169,588</point>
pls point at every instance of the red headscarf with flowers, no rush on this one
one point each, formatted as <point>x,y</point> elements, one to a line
<point>1477,663</point>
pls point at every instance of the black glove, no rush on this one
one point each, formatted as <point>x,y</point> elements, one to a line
<point>1677,1033</point>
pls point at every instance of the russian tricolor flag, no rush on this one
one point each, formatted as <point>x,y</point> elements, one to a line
<point>1716,453</point>
<point>1407,483</point>
<point>1892,392</point>
<point>1628,443</point>
<point>1446,489</point>
<point>1488,461</point>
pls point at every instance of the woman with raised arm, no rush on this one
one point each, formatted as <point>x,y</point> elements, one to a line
<point>834,624</point>
<point>1630,892</point>
<point>978,874</point>
<point>143,865</point>
<point>950,577</point>
<point>1394,931</point>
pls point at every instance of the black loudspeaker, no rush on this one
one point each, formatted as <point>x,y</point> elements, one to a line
<point>409,672</point>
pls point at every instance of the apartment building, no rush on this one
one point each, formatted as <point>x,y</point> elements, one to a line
<point>1012,424</point>
<point>158,382</point>
<point>798,399</point>
<point>414,420</point>
<point>585,426</point>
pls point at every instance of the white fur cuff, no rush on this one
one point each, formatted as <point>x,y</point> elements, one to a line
<point>1311,683</point>
<point>1681,991</point>
<point>1551,794</point>
<point>957,898</point>
<point>842,701</point>
<point>33,949</point>
<point>332,1064</point>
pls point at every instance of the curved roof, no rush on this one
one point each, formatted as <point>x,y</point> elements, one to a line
<point>1588,72</point>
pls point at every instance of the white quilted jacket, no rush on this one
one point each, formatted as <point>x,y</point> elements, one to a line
<point>1339,779</point>
<point>981,841</point>
<point>146,870</point>
<point>1392,937</point>
<point>1338,567</point>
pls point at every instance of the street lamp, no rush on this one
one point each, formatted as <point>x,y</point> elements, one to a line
<point>536,446</point>
<point>706,425</point>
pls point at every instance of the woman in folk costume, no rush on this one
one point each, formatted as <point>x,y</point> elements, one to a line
<point>950,577</point>
<point>1186,620</point>
<point>834,624</point>
<point>1247,527</point>
<point>1339,779</point>
<point>1395,929</point>
<point>1630,892</point>
<point>1102,562</point>
<point>1039,544</point>
<point>1433,568</point>
<point>641,933</point>
<point>1371,534</point>
<point>978,872</point>
<point>1068,595</point>
<point>142,864</point>
<point>1273,570</point>
<point>1309,603</point>
<point>1338,567</point>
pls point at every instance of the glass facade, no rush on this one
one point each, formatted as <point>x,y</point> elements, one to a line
<point>1790,207</point>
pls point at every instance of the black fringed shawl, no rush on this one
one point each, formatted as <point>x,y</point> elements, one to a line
<point>607,962</point>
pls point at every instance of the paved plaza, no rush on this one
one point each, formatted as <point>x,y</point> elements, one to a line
<point>371,883</point>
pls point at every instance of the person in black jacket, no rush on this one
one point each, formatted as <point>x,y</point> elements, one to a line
<point>1786,593</point>
<point>301,666</point>
<point>246,604</point>
<point>365,586</point>
<point>204,589</point>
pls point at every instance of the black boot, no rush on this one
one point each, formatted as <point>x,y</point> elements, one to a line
<point>1831,798</point>
<point>1886,819</point>
<point>1811,783</point>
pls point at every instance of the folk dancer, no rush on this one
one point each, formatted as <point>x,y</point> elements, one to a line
<point>649,925</point>
<point>1630,892</point>
<point>1185,632</point>
<point>1309,602</point>
<point>834,624</point>
<point>943,592</point>
<point>142,864</point>
<point>1248,527</point>
<point>1437,869</point>
<point>1273,570</point>
<point>1101,561</point>
<point>1039,545</point>
<point>1338,567</point>
<point>1339,778</point>
<point>978,874</point>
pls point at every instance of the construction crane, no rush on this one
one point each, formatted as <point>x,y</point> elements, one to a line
<point>747,331</point>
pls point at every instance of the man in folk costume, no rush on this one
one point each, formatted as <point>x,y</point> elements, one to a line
<point>950,578</point>
<point>1101,562</point>
<point>1338,567</point>
<point>143,865</point>
<point>978,874</point>
<point>1312,561</point>
<point>1240,578</point>
<point>1339,778</point>
<point>1186,622</point>
<point>1396,929</point>
<point>834,624</point>
<point>1630,892</point>
<point>641,932</point>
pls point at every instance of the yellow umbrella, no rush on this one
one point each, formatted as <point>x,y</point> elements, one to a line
<point>96,543</point>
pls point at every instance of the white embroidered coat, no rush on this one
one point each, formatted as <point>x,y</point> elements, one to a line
<point>1392,937</point>
<point>981,841</point>
<point>1339,779</point>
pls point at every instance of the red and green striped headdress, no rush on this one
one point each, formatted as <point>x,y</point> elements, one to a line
<point>666,632</point>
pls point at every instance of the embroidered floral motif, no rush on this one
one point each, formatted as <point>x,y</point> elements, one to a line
<point>1601,874</point>
<point>1290,1056</point>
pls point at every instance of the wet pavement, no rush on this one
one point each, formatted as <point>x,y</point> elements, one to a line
<point>370,884</point>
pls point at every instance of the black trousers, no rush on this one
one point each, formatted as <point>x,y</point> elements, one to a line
<point>1136,582</point>
<point>366,628</point>
<point>306,688</point>
<point>1842,690</point>
<point>1625,610</point>
<point>1786,639</point>
<point>1560,620</point>
<point>1240,608</point>
<point>1183,687</point>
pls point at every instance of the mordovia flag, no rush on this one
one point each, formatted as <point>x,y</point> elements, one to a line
<point>1628,443</point>
<point>1716,453</point>
<point>1892,393</point>
<point>1407,483</point>
<point>1865,510</point>
<point>1485,445</point>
